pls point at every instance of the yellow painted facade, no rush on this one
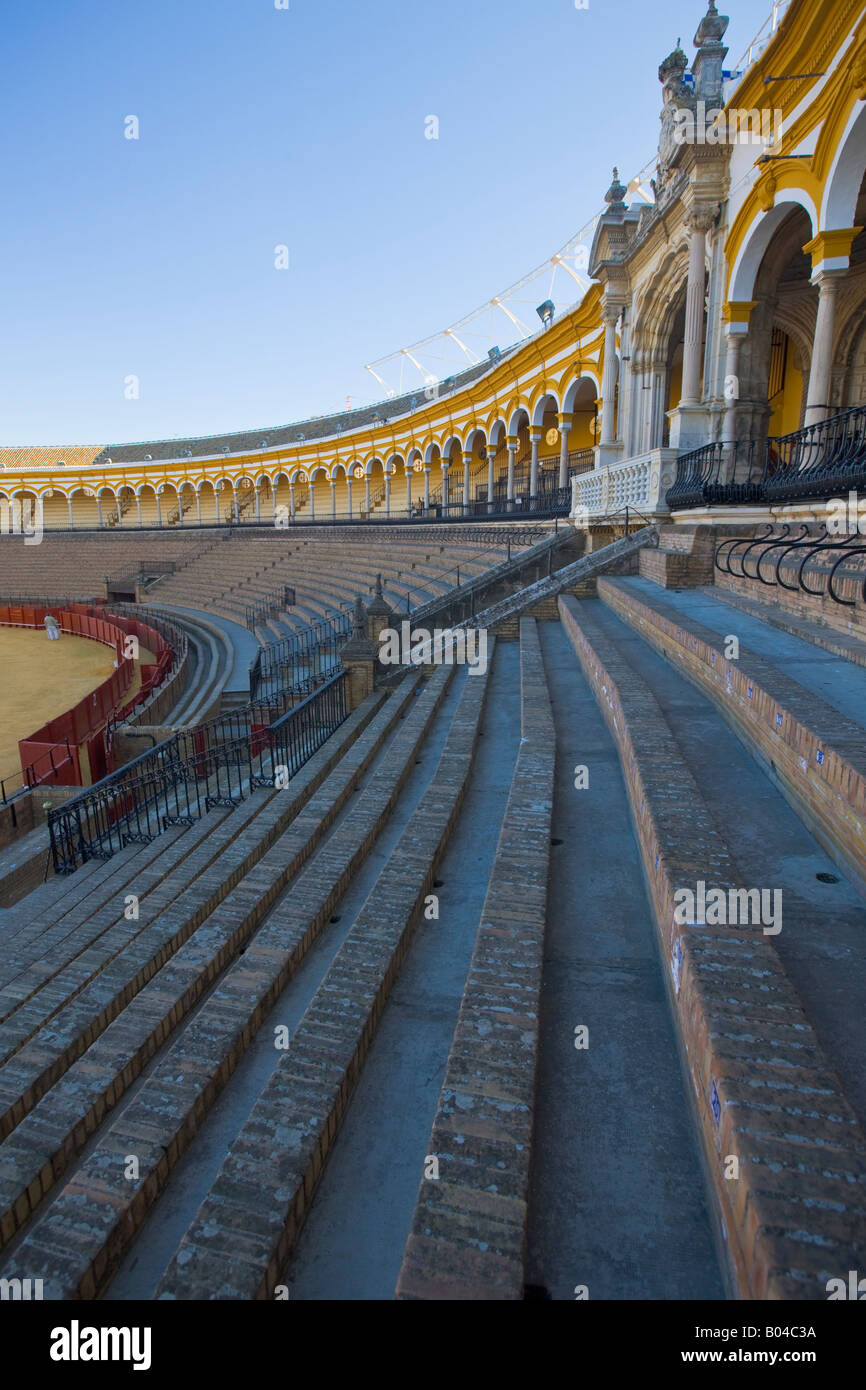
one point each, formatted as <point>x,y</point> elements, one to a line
<point>556,379</point>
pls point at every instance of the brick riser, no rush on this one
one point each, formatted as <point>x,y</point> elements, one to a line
<point>316,1077</point>
<point>683,560</point>
<point>672,569</point>
<point>824,777</point>
<point>115,1058</point>
<point>245,996</point>
<point>819,608</point>
<point>741,1024</point>
<point>468,1242</point>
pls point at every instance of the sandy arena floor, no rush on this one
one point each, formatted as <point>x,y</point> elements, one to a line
<point>41,679</point>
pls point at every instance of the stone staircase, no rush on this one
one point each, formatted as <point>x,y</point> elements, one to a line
<point>446,1017</point>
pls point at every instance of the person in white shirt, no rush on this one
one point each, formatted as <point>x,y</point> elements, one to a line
<point>51,627</point>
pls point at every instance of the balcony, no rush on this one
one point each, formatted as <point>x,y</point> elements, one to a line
<point>813,464</point>
<point>639,483</point>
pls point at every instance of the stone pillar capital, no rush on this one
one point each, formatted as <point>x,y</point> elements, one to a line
<point>700,218</point>
<point>831,251</point>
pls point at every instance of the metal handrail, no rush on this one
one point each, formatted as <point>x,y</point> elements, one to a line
<point>178,781</point>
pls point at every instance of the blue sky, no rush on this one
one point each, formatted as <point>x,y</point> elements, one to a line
<point>305,128</point>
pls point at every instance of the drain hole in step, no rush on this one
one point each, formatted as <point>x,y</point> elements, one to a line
<point>337,918</point>
<point>535,1293</point>
<point>437,882</point>
<point>827,878</point>
<point>556,842</point>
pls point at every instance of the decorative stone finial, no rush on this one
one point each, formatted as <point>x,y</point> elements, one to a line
<point>672,69</point>
<point>711,29</point>
<point>615,195</point>
<point>359,628</point>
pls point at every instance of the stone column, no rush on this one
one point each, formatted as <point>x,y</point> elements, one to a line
<point>387,494</point>
<point>564,432</point>
<point>467,466</point>
<point>137,506</point>
<point>491,479</point>
<point>99,511</point>
<point>444,485</point>
<point>258,502</point>
<point>367,493</point>
<point>698,221</point>
<point>534,440</point>
<point>735,335</point>
<point>235,510</point>
<point>72,519</point>
<point>158,510</point>
<point>359,659</point>
<point>610,315</point>
<point>349,494</point>
<point>180,508</point>
<point>291,500</point>
<point>817,402</point>
<point>380,615</point>
<point>333,499</point>
<point>408,471</point>
<point>312,496</point>
<point>426,490</point>
<point>198,505</point>
<point>513,445</point>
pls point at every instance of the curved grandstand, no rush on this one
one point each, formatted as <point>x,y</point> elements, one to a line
<point>470,905</point>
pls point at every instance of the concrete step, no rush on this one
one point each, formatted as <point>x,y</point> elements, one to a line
<point>255,921</point>
<point>848,646</point>
<point>353,1240</point>
<point>134,1004</point>
<point>469,1228</point>
<point>784,1149</point>
<point>619,1201</point>
<point>313,1080</point>
<point>801,712</point>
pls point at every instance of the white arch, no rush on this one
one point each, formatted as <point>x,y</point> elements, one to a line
<point>570,397</point>
<point>475,434</point>
<point>514,422</point>
<point>498,431</point>
<point>845,175</point>
<point>760,234</point>
<point>538,412</point>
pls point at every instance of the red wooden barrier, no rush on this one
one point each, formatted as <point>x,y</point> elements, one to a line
<point>50,755</point>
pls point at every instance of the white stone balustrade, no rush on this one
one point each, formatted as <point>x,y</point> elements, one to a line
<point>639,482</point>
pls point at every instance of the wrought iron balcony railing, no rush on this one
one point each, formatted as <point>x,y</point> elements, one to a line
<point>820,461</point>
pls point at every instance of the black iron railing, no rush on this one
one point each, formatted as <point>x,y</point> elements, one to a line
<point>820,564</point>
<point>180,780</point>
<point>302,660</point>
<point>814,463</point>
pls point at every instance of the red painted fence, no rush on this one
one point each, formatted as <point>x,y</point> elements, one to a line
<point>52,755</point>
